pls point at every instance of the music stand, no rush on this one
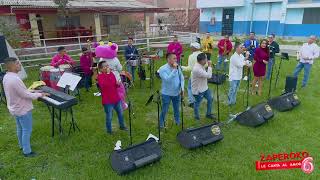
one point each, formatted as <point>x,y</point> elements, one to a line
<point>284,56</point>
<point>69,81</point>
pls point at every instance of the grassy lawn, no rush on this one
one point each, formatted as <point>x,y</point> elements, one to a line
<point>85,154</point>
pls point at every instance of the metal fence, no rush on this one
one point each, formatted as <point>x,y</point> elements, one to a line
<point>35,56</point>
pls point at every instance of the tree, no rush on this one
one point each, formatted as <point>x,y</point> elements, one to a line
<point>62,7</point>
<point>13,33</point>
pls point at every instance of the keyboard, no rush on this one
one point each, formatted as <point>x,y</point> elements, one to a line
<point>57,99</point>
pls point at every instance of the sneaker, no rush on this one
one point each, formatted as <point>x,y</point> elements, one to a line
<point>124,128</point>
<point>245,78</point>
<point>197,118</point>
<point>97,94</point>
<point>211,116</point>
<point>31,154</point>
<point>109,132</point>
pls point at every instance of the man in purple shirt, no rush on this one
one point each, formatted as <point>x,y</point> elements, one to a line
<point>19,103</point>
<point>86,63</point>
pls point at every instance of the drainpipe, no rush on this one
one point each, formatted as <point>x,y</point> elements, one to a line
<point>252,11</point>
<point>269,17</point>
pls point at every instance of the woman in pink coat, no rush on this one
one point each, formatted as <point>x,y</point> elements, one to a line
<point>176,48</point>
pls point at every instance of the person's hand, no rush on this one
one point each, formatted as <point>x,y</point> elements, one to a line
<point>175,65</point>
<point>45,94</point>
<point>265,62</point>
<point>182,94</point>
<point>209,64</point>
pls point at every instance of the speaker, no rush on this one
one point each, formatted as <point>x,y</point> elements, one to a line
<point>284,102</point>
<point>3,49</point>
<point>217,79</point>
<point>196,137</point>
<point>127,160</point>
<point>291,84</point>
<point>256,115</point>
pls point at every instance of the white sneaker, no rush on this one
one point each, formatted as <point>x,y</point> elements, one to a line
<point>245,78</point>
<point>97,94</point>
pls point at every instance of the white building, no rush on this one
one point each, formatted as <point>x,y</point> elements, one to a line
<point>283,18</point>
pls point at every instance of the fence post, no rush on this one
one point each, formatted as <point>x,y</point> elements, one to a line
<point>148,44</point>
<point>79,40</point>
<point>45,46</point>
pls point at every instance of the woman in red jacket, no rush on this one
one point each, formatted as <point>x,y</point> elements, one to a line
<point>261,57</point>
<point>110,97</point>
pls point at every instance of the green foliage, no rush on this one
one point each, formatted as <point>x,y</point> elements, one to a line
<point>14,35</point>
<point>85,154</point>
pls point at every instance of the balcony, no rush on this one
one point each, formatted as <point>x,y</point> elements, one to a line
<point>303,4</point>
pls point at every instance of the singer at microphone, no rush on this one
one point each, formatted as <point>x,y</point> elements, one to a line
<point>171,86</point>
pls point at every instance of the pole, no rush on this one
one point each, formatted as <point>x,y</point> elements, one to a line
<point>252,11</point>
<point>268,23</point>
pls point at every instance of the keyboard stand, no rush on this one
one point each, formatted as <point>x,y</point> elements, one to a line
<point>58,116</point>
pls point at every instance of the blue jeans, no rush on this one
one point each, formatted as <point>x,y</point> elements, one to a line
<point>165,107</point>
<point>190,95</point>
<point>307,69</point>
<point>131,70</point>
<point>198,98</point>
<point>221,59</point>
<point>87,81</point>
<point>270,64</point>
<point>232,96</point>
<point>24,129</point>
<point>108,109</point>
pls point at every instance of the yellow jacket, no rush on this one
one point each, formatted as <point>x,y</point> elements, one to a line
<point>205,45</point>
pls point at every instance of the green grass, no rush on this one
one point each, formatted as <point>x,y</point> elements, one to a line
<point>85,154</point>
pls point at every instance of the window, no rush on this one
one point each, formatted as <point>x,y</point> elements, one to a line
<point>73,21</point>
<point>311,16</point>
<point>109,20</point>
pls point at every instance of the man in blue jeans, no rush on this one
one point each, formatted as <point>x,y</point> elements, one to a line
<point>19,103</point>
<point>308,52</point>
<point>199,85</point>
<point>273,49</point>
<point>172,86</point>
<point>237,61</point>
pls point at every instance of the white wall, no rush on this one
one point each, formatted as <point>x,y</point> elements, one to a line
<point>208,13</point>
<point>261,12</point>
<point>294,16</point>
<point>219,3</point>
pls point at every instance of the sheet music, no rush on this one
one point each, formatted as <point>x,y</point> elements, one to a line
<point>69,79</point>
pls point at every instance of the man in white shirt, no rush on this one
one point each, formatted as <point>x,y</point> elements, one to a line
<point>199,85</point>
<point>237,61</point>
<point>308,52</point>
<point>192,60</point>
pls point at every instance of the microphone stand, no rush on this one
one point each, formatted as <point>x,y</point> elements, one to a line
<point>181,96</point>
<point>270,83</point>
<point>278,73</point>
<point>130,121</point>
<point>158,102</point>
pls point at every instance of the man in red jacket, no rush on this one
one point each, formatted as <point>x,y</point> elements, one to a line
<point>225,47</point>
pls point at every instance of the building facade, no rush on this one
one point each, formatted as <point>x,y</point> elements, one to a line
<point>283,18</point>
<point>84,17</point>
